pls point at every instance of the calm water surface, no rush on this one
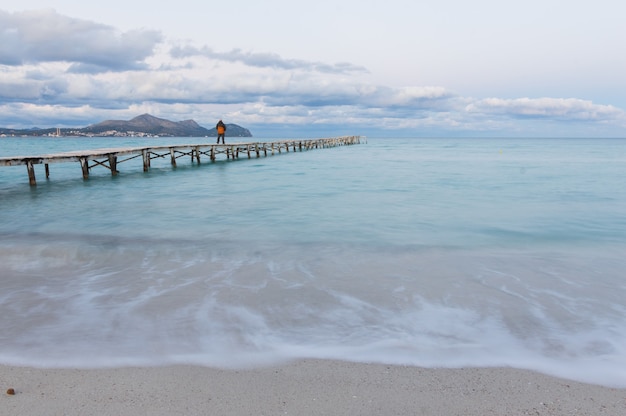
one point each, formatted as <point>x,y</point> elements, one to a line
<point>429,252</point>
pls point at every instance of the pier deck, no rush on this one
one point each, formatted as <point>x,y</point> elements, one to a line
<point>110,158</point>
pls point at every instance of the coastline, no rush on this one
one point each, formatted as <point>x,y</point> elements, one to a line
<point>304,387</point>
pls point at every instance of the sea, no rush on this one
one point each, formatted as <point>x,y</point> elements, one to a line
<point>430,252</point>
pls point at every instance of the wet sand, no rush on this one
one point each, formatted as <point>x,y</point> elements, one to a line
<point>306,387</point>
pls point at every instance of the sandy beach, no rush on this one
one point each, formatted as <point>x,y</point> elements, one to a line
<point>307,387</point>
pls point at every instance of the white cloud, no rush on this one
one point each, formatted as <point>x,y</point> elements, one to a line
<point>82,72</point>
<point>551,108</point>
<point>264,60</point>
<point>45,36</point>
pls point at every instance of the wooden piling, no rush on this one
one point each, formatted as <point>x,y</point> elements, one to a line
<point>173,156</point>
<point>31,173</point>
<point>84,165</point>
<point>146,159</point>
<point>113,164</point>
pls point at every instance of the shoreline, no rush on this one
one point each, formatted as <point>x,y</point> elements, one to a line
<point>303,387</point>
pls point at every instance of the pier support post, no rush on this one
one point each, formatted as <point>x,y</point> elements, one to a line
<point>84,165</point>
<point>113,164</point>
<point>212,153</point>
<point>31,173</point>
<point>173,156</point>
<point>146,160</point>
<point>47,171</point>
<point>197,155</point>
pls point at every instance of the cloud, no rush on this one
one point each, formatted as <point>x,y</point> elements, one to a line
<point>56,69</point>
<point>45,36</point>
<point>265,60</point>
<point>546,108</point>
<point>341,93</point>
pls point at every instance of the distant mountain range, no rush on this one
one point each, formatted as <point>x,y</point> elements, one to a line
<point>144,125</point>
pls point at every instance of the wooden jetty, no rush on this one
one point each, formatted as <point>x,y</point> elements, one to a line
<point>111,158</point>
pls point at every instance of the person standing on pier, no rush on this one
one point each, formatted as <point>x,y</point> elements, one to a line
<point>221,131</point>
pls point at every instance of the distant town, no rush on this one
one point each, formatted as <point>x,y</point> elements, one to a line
<point>77,133</point>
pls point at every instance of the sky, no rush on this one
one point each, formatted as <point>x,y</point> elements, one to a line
<point>289,68</point>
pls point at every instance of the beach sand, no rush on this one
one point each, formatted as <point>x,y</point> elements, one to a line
<point>306,387</point>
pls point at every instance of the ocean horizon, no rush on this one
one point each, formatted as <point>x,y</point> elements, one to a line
<point>437,252</point>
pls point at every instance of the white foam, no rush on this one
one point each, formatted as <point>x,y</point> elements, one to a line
<point>184,303</point>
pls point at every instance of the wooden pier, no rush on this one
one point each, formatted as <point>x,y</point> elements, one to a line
<point>111,158</point>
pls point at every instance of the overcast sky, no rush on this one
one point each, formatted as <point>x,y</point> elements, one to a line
<point>536,68</point>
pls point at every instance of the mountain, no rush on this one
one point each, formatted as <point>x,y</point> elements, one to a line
<point>143,125</point>
<point>148,124</point>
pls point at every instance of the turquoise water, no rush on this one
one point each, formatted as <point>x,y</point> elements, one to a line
<point>429,252</point>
